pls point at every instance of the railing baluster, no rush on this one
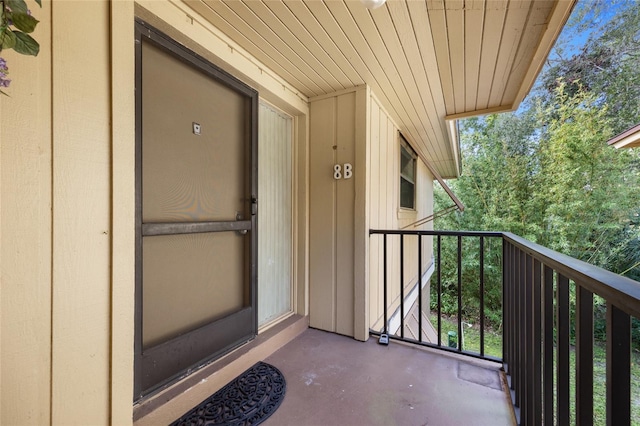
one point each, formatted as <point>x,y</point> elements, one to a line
<point>507,303</point>
<point>522,341</point>
<point>482,296</point>
<point>384,284</point>
<point>459,292</point>
<point>562,300</point>
<point>584,356</point>
<point>618,367</point>
<point>536,373</point>
<point>420,288</point>
<point>439,292</point>
<point>402,286</point>
<point>527,307</point>
<point>547,363</point>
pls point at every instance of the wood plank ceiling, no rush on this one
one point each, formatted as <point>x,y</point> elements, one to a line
<point>428,61</point>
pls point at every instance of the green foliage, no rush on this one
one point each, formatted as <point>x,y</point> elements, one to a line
<point>16,23</point>
<point>607,63</point>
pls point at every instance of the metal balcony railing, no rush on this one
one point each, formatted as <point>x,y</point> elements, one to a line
<point>538,287</point>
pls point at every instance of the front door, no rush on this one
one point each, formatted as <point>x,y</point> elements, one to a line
<point>196,211</point>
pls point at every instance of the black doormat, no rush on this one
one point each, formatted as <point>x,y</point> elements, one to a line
<point>247,400</point>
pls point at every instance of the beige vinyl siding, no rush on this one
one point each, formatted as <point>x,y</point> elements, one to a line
<point>81,213</point>
<point>332,209</point>
<point>346,266</point>
<point>67,203</point>
<point>25,229</point>
<point>385,213</point>
<point>275,251</point>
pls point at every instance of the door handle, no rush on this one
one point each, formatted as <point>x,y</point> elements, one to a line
<point>240,231</point>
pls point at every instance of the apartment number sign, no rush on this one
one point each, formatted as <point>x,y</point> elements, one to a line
<point>342,171</point>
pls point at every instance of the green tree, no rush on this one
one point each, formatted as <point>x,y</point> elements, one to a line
<point>606,64</point>
<point>585,189</point>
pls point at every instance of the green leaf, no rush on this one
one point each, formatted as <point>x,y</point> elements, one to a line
<point>24,22</point>
<point>17,6</point>
<point>39,2</point>
<point>7,39</point>
<point>25,44</point>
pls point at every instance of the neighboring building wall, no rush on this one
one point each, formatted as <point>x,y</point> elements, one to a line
<point>67,206</point>
<point>385,213</point>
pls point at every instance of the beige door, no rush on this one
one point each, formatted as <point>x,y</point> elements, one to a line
<point>196,212</point>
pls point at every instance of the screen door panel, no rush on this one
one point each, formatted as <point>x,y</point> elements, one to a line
<point>196,216</point>
<point>179,273</point>
<point>188,176</point>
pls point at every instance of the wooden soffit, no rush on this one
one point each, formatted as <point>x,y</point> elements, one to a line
<point>430,62</point>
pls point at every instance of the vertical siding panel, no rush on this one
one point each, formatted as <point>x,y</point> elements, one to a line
<point>375,249</point>
<point>345,198</point>
<point>385,214</point>
<point>81,213</point>
<point>25,226</point>
<point>274,214</point>
<point>123,204</point>
<point>361,215</point>
<point>322,189</point>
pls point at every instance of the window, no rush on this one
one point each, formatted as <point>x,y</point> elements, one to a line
<point>407,176</point>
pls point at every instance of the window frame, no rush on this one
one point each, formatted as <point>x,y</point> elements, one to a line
<point>412,180</point>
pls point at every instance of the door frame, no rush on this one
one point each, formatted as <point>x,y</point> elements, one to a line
<point>203,344</point>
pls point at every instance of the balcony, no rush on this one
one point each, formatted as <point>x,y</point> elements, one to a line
<point>544,372</point>
<point>336,380</point>
<point>552,309</point>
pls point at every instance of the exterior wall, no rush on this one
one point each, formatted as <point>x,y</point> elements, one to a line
<point>67,204</point>
<point>337,210</point>
<point>25,235</point>
<point>385,213</point>
<point>345,278</point>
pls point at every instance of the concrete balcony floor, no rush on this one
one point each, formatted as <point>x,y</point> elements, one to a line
<point>335,380</point>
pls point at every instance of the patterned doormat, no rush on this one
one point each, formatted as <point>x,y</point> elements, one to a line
<point>247,400</point>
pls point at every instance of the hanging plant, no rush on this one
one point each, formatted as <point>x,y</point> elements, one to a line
<point>16,23</point>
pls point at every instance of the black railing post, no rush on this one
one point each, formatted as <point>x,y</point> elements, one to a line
<point>536,373</point>
<point>420,288</point>
<point>439,265</point>
<point>618,367</point>
<point>521,329</point>
<point>402,286</point>
<point>482,296</point>
<point>506,303</point>
<point>584,356</point>
<point>459,292</point>
<point>528,308</point>
<point>547,363</point>
<point>384,271</point>
<point>562,317</point>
